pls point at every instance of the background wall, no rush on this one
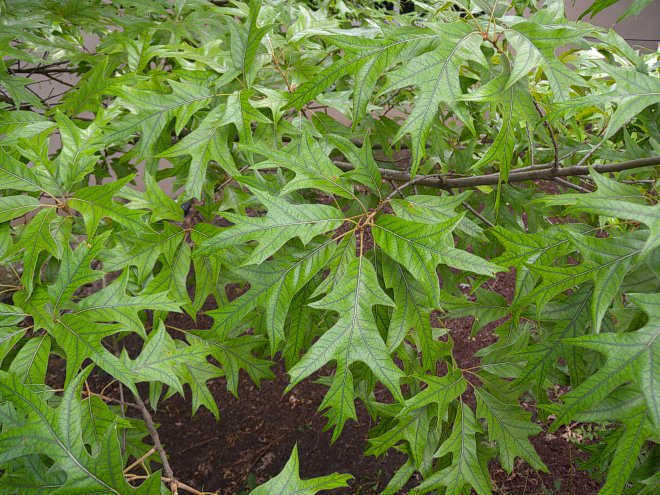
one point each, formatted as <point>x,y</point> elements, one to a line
<point>640,31</point>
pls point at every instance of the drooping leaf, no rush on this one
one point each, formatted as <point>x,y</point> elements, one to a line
<point>289,481</point>
<point>510,427</point>
<point>630,356</point>
<point>422,247</point>
<point>57,434</point>
<point>465,468</point>
<point>284,221</point>
<point>353,338</point>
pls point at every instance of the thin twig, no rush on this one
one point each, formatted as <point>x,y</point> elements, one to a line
<point>566,183</point>
<point>140,460</point>
<point>474,212</point>
<point>151,428</point>
<point>590,153</point>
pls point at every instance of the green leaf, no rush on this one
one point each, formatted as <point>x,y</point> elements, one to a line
<point>367,59</point>
<point>16,206</point>
<point>57,433</point>
<point>40,235</point>
<point>633,93</point>
<point>422,247</point>
<point>78,156</point>
<point>366,170</point>
<point>312,167</point>
<point>273,286</point>
<point>569,318</point>
<point>172,279</point>
<point>11,315</point>
<point>245,40</point>
<point>288,482</point>
<point>152,111</point>
<point>536,46</point>
<point>353,338</point>
<point>509,426</point>
<point>17,175</point>
<point>617,255</point>
<point>234,354</point>
<point>631,356</point>
<point>436,73</point>
<point>433,209</point>
<point>412,427</point>
<point>412,312</point>
<point>465,468</point>
<point>637,430</point>
<point>143,252</point>
<point>283,222</point>
<point>206,143</point>
<point>161,359</point>
<point>195,374</point>
<point>440,390</point>
<point>81,339</point>
<point>96,202</point>
<point>75,270</point>
<point>489,307</point>
<point>162,206</point>
<point>114,304</point>
<point>31,362</point>
<point>241,113</point>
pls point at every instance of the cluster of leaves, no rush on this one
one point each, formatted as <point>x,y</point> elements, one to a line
<point>300,149</point>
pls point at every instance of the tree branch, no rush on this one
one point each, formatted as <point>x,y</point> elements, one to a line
<point>493,179</point>
<point>153,432</point>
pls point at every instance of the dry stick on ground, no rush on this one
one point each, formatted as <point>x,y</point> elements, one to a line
<point>494,179</point>
<point>151,428</point>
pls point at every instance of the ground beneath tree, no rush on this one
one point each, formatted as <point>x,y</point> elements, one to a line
<point>257,431</point>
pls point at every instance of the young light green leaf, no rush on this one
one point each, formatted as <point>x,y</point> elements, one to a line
<point>288,482</point>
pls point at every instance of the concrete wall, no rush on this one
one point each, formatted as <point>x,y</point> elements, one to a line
<point>640,31</point>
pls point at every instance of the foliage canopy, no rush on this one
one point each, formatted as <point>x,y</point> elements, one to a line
<point>364,175</point>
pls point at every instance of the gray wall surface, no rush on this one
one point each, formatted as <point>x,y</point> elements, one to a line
<point>642,30</point>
